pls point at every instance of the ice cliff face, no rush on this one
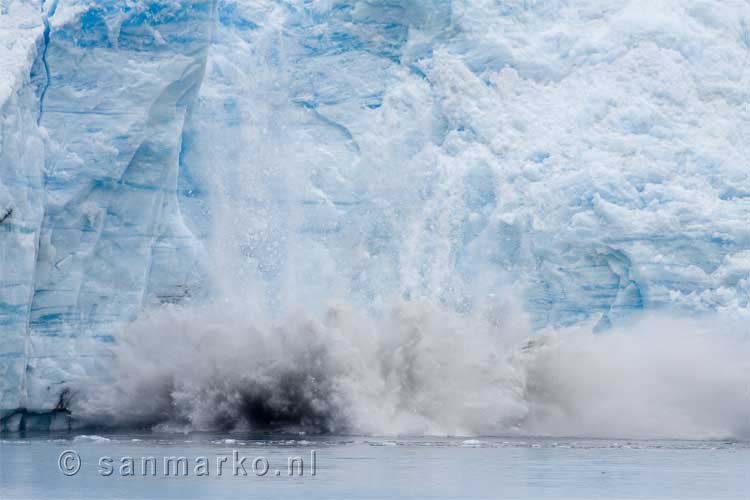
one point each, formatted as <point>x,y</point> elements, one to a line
<point>90,182</point>
<point>591,155</point>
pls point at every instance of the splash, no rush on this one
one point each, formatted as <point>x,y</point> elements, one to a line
<point>658,378</point>
<point>420,369</point>
<point>416,370</point>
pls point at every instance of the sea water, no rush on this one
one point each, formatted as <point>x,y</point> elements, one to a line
<point>370,468</point>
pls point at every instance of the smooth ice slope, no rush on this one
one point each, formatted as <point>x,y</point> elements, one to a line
<point>588,155</point>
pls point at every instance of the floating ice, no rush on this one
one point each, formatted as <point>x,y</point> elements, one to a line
<point>83,438</point>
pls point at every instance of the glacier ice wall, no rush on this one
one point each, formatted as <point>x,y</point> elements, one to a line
<point>91,179</point>
<point>588,155</point>
<point>21,191</point>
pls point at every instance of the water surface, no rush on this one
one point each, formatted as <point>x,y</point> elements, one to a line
<point>370,468</point>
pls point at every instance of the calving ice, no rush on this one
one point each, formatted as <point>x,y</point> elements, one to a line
<point>381,217</point>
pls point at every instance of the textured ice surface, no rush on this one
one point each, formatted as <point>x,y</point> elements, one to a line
<point>589,154</point>
<point>92,132</point>
<point>592,152</point>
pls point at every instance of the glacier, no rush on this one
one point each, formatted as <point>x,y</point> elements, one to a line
<point>586,158</point>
